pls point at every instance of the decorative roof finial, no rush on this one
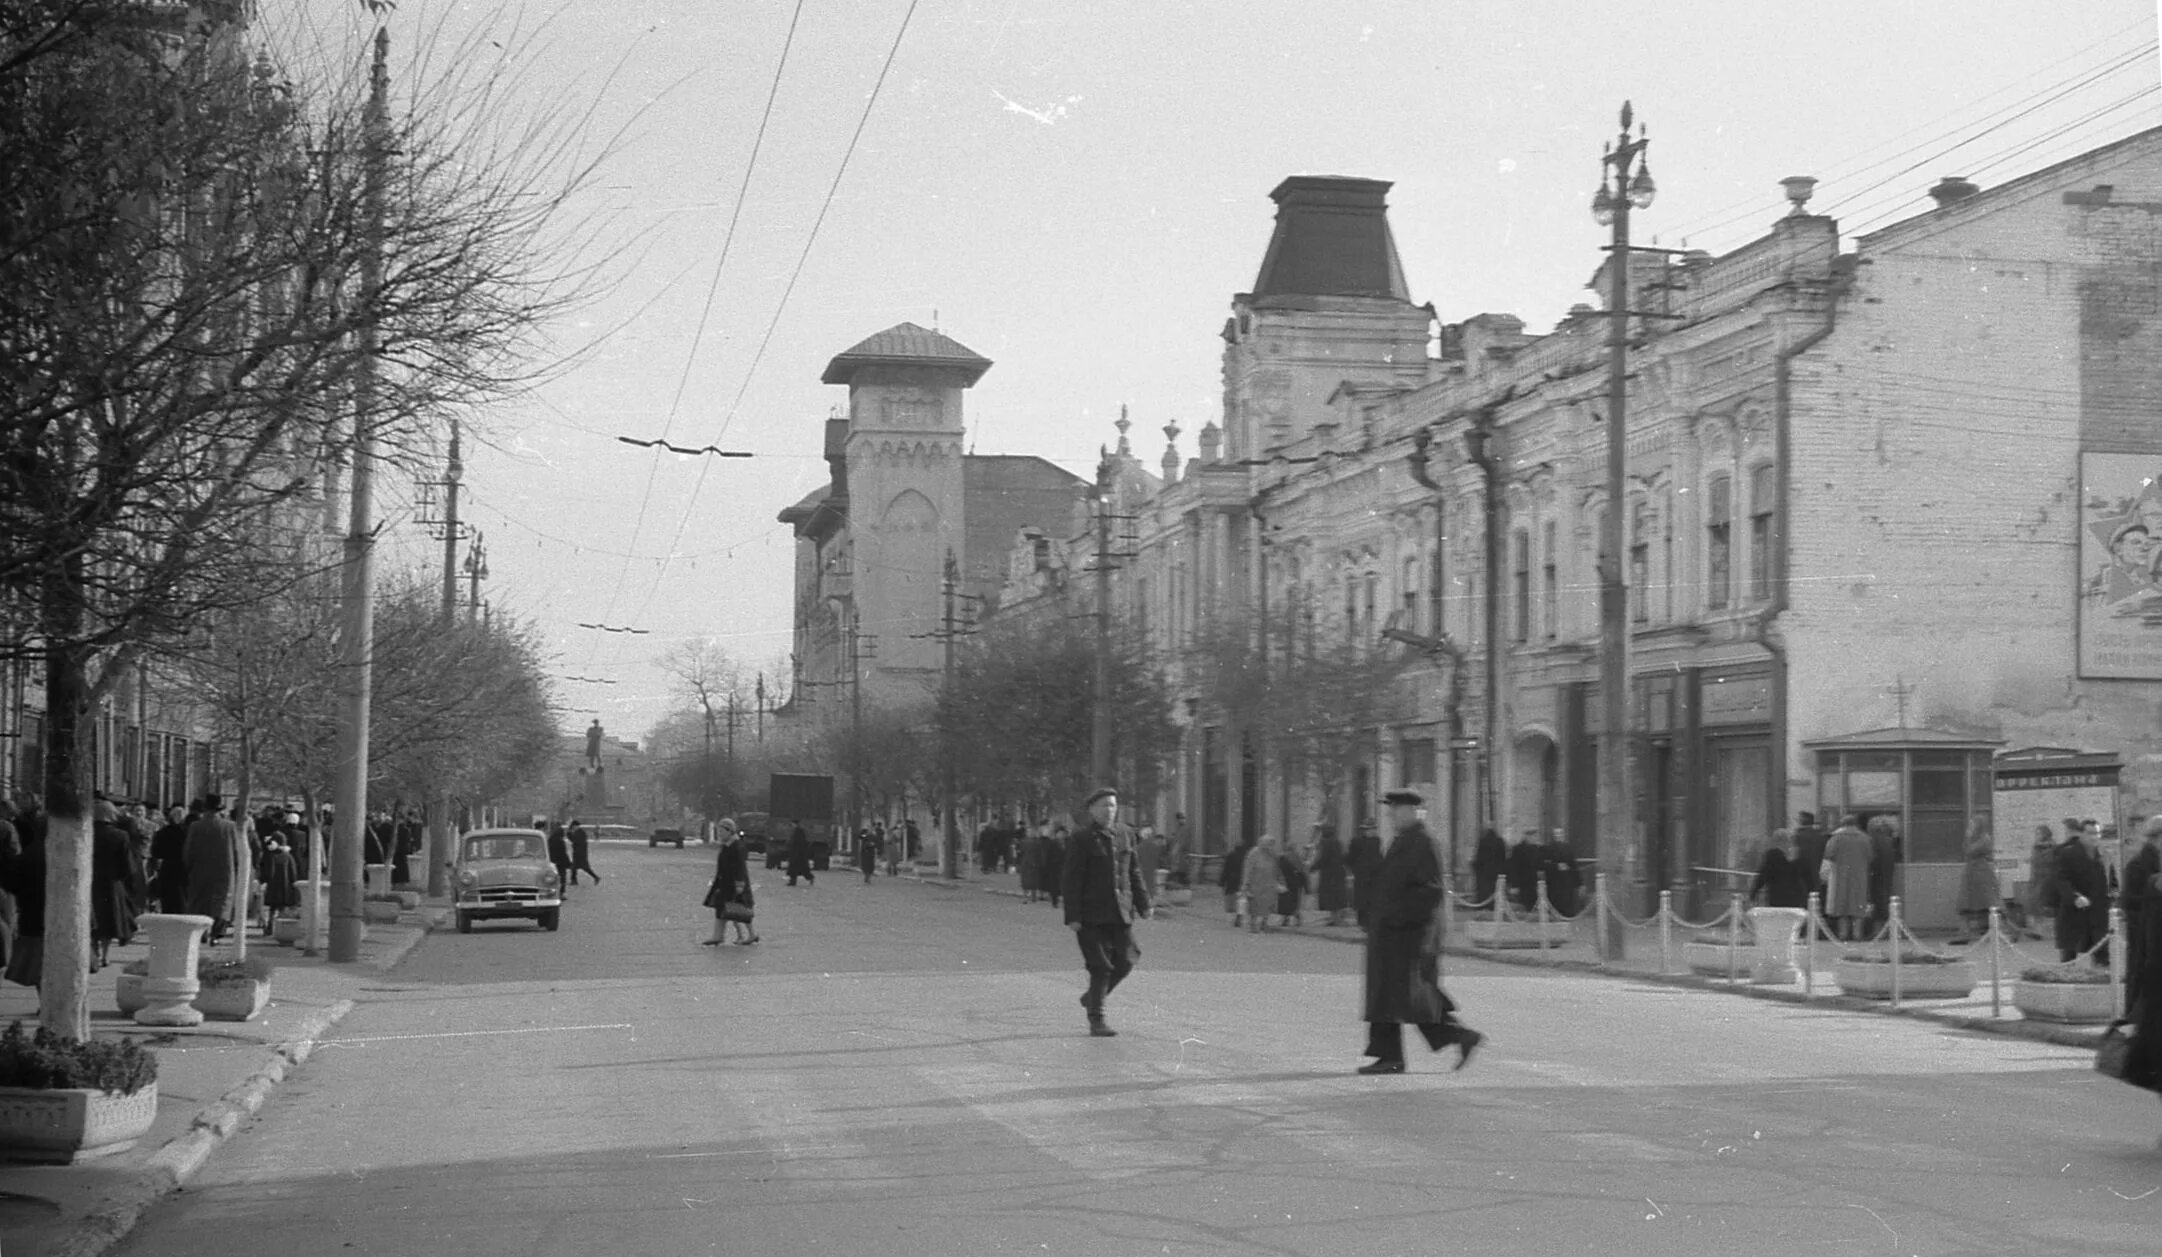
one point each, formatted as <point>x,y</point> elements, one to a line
<point>1171,452</point>
<point>1125,450</point>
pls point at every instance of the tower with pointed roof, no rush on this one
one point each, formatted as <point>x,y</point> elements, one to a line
<point>1329,308</point>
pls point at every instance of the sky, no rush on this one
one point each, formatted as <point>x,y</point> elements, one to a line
<point>1076,191</point>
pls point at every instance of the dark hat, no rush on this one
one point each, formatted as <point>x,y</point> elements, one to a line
<point>1410,798</point>
<point>1100,792</point>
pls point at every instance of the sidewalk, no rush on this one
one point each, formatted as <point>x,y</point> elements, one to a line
<point>1640,962</point>
<point>210,1079</point>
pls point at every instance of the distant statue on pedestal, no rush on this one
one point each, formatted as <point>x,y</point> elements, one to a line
<point>593,745</point>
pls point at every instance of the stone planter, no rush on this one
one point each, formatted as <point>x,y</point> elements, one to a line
<point>285,930</point>
<point>1710,959</point>
<point>1487,932</point>
<point>408,899</point>
<point>232,999</point>
<point>380,912</point>
<point>1179,896</point>
<point>2075,1003</point>
<point>63,1126</point>
<point>1873,980</point>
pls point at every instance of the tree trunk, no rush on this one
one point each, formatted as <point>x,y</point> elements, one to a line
<point>63,992</point>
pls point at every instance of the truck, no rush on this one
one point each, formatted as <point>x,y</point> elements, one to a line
<point>804,798</point>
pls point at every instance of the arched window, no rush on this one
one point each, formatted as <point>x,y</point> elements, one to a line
<point>1718,542</point>
<point>1549,582</point>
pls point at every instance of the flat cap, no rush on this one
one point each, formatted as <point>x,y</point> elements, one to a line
<point>1100,792</point>
<point>1411,798</point>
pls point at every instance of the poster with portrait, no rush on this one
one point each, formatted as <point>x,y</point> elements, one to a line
<point>2120,566</point>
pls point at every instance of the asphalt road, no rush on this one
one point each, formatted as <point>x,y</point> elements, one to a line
<point>901,1071</point>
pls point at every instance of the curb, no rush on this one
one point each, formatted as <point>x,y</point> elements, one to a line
<point>180,1158</point>
<point>172,1166</point>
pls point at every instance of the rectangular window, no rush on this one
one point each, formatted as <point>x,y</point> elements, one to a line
<point>1640,564</point>
<point>1718,542</point>
<point>1550,585</point>
<point>1367,609</point>
<point>1761,494</point>
<point>1411,594</point>
<point>1522,601</point>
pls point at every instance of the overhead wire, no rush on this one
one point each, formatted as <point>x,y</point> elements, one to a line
<point>1750,207</point>
<point>871,103</point>
<point>713,286</point>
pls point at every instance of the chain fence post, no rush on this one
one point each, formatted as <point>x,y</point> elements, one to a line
<point>1666,931</point>
<point>1599,917</point>
<point>1809,945</point>
<point>1734,935</point>
<point>2116,964</point>
<point>1542,907</point>
<point>1501,902</point>
<point>1895,927</point>
<point>1996,966</point>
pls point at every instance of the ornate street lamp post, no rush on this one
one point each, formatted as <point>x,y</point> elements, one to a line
<point>1625,183</point>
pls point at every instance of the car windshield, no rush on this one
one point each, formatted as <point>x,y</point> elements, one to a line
<point>504,847</point>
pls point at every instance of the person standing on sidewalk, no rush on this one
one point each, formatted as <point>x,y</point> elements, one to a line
<point>1403,948</point>
<point>2082,896</point>
<point>799,856</point>
<point>559,853</point>
<point>1104,894</point>
<point>867,848</point>
<point>2142,907</point>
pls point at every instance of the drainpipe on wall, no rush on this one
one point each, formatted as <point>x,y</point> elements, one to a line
<point>1767,634</point>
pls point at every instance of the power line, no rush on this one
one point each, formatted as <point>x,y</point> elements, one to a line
<point>713,287</point>
<point>834,189</point>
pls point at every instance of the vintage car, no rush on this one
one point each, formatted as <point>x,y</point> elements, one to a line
<point>665,834</point>
<point>505,873</point>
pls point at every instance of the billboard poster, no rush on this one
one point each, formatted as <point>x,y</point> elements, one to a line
<point>2029,795</point>
<point>2120,567</point>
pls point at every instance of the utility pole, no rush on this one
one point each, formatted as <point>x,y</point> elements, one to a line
<point>1625,182</point>
<point>949,848</point>
<point>357,589</point>
<point>707,775</point>
<point>439,845</point>
<point>476,571</point>
<point>759,695</point>
<point>855,714</point>
<point>1100,726</point>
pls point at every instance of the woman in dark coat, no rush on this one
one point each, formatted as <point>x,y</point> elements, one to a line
<point>559,854</point>
<point>169,863</point>
<point>281,881</point>
<point>112,881</point>
<point>731,885</point>
<point>1524,859</point>
<point>1332,876</point>
<point>1054,864</point>
<point>1781,881</point>
<point>26,881</point>
<point>1489,861</point>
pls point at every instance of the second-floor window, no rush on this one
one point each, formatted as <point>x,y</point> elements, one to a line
<point>1761,494</point>
<point>1640,564</point>
<point>1549,583</point>
<point>1411,594</point>
<point>1718,542</point>
<point>1522,587</point>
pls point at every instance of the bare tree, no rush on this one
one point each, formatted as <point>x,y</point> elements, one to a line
<point>180,247</point>
<point>713,683</point>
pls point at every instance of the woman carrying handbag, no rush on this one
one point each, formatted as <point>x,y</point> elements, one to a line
<point>730,894</point>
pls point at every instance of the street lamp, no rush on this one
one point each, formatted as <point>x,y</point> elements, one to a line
<point>1625,183</point>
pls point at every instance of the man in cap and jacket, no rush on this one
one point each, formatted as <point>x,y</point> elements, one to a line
<point>1103,891</point>
<point>1403,947</point>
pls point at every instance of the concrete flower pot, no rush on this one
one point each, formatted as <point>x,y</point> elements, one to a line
<point>2073,1003</point>
<point>1710,959</point>
<point>128,992</point>
<point>286,930</point>
<point>65,1125</point>
<point>1871,979</point>
<point>380,911</point>
<point>1486,932</point>
<point>233,999</point>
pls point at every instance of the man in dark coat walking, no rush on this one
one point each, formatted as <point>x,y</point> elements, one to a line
<point>1403,948</point>
<point>2082,896</point>
<point>1363,855</point>
<point>582,852</point>
<point>1104,892</point>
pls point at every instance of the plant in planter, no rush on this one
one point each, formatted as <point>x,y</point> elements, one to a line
<point>233,990</point>
<point>65,1100</point>
<point>1923,974</point>
<point>2071,993</point>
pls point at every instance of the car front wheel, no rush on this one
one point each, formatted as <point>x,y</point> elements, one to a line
<point>465,923</point>
<point>551,918</point>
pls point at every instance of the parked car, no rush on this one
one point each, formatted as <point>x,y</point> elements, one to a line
<point>505,873</point>
<point>660,836</point>
<point>621,833</point>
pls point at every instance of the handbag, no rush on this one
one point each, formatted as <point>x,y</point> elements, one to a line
<point>733,911</point>
<point>2113,1057</point>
